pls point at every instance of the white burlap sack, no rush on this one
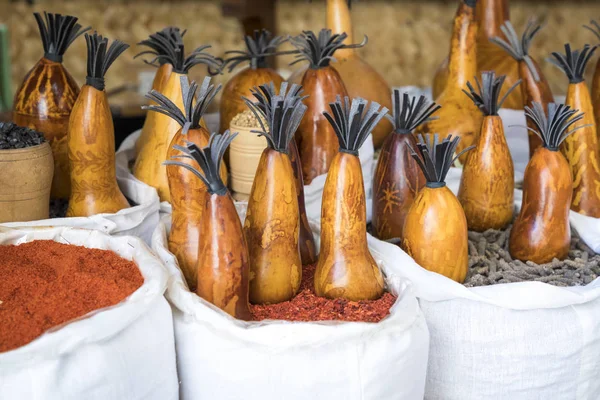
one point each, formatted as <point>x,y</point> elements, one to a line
<point>124,352</point>
<point>509,341</point>
<point>219,357</point>
<point>139,220</point>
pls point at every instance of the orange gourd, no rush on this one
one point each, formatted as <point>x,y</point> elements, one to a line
<point>272,220</point>
<point>541,231</point>
<point>435,229</point>
<point>187,192</point>
<point>398,178</point>
<point>258,47</point>
<point>48,92</point>
<point>223,261</point>
<point>156,43</point>
<point>91,138</point>
<point>487,183</point>
<point>534,86</point>
<point>595,29</point>
<point>316,139</point>
<point>458,115</point>
<point>346,267</point>
<point>581,149</point>
<point>148,166</point>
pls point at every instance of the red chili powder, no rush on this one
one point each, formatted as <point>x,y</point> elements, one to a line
<point>44,284</point>
<point>307,306</point>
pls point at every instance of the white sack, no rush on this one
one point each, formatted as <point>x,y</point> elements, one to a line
<point>124,352</point>
<point>511,341</point>
<point>139,220</point>
<point>312,193</point>
<point>219,357</point>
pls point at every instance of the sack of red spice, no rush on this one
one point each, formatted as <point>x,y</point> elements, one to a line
<point>138,220</point>
<point>219,357</point>
<point>120,352</point>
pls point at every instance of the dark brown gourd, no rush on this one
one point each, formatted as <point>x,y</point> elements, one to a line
<point>541,231</point>
<point>487,183</point>
<point>316,139</point>
<point>346,267</point>
<point>398,177</point>
<point>534,86</point>
<point>272,220</point>
<point>223,262</point>
<point>581,149</point>
<point>46,97</point>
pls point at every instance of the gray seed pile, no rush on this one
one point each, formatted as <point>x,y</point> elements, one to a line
<point>490,263</point>
<point>58,208</point>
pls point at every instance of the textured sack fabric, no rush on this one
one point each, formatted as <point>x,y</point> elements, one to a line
<point>219,357</point>
<point>124,352</point>
<point>139,220</point>
<point>517,341</point>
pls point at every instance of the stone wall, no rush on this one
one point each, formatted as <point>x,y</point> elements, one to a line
<point>408,38</point>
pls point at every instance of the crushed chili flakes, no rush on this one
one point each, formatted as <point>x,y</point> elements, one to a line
<point>307,306</point>
<point>44,284</point>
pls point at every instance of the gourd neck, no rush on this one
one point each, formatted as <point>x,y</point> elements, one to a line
<point>491,14</point>
<point>338,20</point>
<point>462,63</point>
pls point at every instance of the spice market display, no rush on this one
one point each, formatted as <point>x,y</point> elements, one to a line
<point>213,230</point>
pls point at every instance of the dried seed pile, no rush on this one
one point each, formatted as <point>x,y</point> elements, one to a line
<point>13,136</point>
<point>307,306</point>
<point>58,208</point>
<point>490,263</point>
<point>246,119</point>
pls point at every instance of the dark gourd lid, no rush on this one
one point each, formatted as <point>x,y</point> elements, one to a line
<point>488,92</point>
<point>553,128</point>
<point>519,49</point>
<point>409,112</point>
<point>573,62</point>
<point>258,47</point>
<point>58,32</point>
<point>159,44</point>
<point>100,57</point>
<point>318,50</point>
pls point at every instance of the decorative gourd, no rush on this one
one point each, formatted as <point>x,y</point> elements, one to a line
<point>91,137</point>
<point>258,47</point>
<point>316,139</point>
<point>398,178</point>
<point>157,43</point>
<point>534,86</point>
<point>581,149</point>
<point>272,220</point>
<point>188,194</point>
<point>46,97</point>
<point>148,166</point>
<point>595,29</point>
<point>487,183</point>
<point>541,231</point>
<point>435,229</point>
<point>346,268</point>
<point>223,266</point>
<point>458,115</point>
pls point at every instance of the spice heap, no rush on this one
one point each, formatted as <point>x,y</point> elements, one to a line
<point>490,263</point>
<point>45,284</point>
<point>13,136</point>
<point>307,306</point>
<point>247,119</point>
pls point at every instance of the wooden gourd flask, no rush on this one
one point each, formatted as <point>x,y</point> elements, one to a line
<point>91,137</point>
<point>187,191</point>
<point>534,86</point>
<point>273,217</point>
<point>490,15</point>
<point>595,29</point>
<point>398,177</point>
<point>435,229</point>
<point>487,182</point>
<point>541,231</point>
<point>259,47</point>
<point>223,267</point>
<point>458,115</point>
<point>316,139</point>
<point>148,166</point>
<point>346,267</point>
<point>581,149</point>
<point>359,77</point>
<point>48,92</point>
<point>157,45</point>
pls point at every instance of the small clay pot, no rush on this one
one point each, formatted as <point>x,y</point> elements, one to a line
<point>25,183</point>
<point>244,154</point>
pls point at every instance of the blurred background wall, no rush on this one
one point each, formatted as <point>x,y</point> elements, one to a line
<point>408,38</point>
